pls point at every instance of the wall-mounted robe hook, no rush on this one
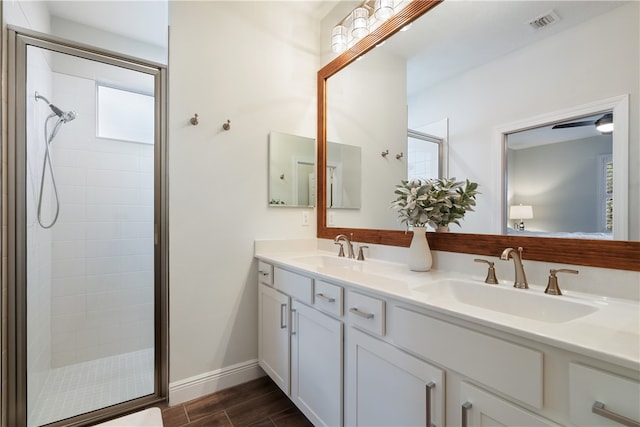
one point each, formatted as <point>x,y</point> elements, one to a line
<point>281,176</point>
<point>194,120</point>
<point>385,153</point>
<point>227,125</point>
<point>399,156</point>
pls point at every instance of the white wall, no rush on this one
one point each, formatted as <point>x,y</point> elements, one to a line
<point>106,40</point>
<point>533,81</point>
<point>253,63</point>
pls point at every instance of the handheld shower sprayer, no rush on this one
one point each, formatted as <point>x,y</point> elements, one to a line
<point>65,116</point>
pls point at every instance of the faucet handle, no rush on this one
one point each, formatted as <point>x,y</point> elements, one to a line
<point>341,251</point>
<point>552,285</point>
<point>491,272</point>
<point>360,253</point>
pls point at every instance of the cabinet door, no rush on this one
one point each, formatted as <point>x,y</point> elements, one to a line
<point>316,365</point>
<point>481,408</point>
<point>617,397</point>
<point>388,387</point>
<point>273,335</point>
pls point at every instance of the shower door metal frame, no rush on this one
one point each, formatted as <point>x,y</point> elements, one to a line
<point>18,41</point>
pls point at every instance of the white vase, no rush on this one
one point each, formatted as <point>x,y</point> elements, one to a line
<point>419,252</point>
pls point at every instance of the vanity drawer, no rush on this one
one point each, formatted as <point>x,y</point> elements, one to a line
<point>366,312</point>
<point>512,369</point>
<point>265,273</point>
<point>619,395</point>
<point>295,285</point>
<point>328,297</point>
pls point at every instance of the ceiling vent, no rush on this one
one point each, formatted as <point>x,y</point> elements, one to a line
<point>544,21</point>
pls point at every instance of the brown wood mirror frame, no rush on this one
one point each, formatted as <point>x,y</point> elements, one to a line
<point>617,254</point>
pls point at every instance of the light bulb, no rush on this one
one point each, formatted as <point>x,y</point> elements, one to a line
<point>339,39</point>
<point>383,9</point>
<point>360,26</point>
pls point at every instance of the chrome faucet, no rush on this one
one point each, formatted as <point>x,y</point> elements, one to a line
<point>520,279</point>
<point>341,238</point>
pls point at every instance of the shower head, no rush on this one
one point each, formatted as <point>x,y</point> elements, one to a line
<point>65,116</point>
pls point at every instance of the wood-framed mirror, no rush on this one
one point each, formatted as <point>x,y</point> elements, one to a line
<point>615,254</point>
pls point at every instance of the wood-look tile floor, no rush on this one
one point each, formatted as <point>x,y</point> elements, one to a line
<point>258,403</point>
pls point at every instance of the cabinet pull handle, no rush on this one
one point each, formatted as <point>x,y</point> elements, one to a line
<point>429,386</point>
<point>283,313</point>
<point>323,297</point>
<point>293,318</point>
<point>357,312</point>
<point>598,408</point>
<point>465,408</point>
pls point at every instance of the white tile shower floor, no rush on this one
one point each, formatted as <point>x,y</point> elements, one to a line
<point>87,386</point>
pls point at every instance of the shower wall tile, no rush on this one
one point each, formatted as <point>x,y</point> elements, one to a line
<point>74,194</point>
<point>63,249</point>
<point>103,243</point>
<point>66,175</point>
<point>66,305</point>
<point>67,286</point>
<point>68,267</point>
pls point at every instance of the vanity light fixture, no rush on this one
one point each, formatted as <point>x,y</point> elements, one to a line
<point>368,16</point>
<point>520,212</point>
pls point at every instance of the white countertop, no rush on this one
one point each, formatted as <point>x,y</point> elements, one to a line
<point>610,333</point>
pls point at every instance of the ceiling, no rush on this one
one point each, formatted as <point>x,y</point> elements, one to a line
<point>147,20</point>
<point>547,135</point>
<point>459,35</point>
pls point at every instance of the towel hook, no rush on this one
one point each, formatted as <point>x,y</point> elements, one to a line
<point>227,125</point>
<point>194,120</point>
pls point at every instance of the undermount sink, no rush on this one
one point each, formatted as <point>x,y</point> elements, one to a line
<point>515,302</point>
<point>370,271</point>
<point>328,261</point>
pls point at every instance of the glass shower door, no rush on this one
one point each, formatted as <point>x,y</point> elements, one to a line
<point>90,203</point>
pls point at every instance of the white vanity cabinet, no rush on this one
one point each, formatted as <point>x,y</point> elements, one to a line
<point>301,347</point>
<point>316,365</point>
<point>481,408</point>
<point>273,335</point>
<point>388,387</point>
<point>357,355</point>
<point>600,398</point>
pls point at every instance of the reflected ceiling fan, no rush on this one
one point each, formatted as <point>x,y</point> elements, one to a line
<point>604,124</point>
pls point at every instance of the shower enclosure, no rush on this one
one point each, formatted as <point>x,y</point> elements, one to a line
<point>87,254</point>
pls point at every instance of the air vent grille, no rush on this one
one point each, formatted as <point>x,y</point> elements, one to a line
<point>544,21</point>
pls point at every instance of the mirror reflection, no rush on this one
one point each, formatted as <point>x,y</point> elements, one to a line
<point>481,64</point>
<point>292,175</point>
<point>560,180</point>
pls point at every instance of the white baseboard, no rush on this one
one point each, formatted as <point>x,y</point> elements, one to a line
<point>210,382</point>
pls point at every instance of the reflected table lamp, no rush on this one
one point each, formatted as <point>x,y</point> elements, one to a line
<point>520,212</point>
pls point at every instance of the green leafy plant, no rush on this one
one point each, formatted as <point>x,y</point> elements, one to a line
<point>437,202</point>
